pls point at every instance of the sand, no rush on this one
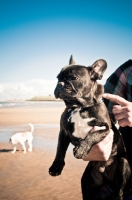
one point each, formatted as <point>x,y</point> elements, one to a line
<point>25,176</point>
<point>15,116</point>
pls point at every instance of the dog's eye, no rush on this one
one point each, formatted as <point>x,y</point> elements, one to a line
<point>73,78</point>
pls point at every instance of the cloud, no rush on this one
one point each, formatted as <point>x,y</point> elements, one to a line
<point>26,90</point>
<point>1,88</point>
<point>29,89</point>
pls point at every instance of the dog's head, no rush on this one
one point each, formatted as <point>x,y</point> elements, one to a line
<point>77,83</point>
<point>11,141</point>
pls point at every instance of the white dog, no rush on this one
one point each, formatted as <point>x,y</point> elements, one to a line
<point>21,138</point>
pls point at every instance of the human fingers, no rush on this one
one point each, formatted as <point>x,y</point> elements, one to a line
<point>123,114</point>
<point>120,109</point>
<point>121,101</point>
<point>123,122</point>
<point>124,119</point>
<point>117,109</point>
<point>120,112</point>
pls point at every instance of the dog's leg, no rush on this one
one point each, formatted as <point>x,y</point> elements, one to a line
<point>92,138</point>
<point>30,145</point>
<point>23,145</point>
<point>85,145</point>
<point>58,164</point>
<point>14,150</point>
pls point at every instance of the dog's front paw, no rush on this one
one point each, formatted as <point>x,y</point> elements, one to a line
<point>78,152</point>
<point>81,151</point>
<point>56,168</point>
<point>12,151</point>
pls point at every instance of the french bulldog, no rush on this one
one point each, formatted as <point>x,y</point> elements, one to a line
<point>78,87</point>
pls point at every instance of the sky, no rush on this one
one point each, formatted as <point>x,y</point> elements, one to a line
<point>37,38</point>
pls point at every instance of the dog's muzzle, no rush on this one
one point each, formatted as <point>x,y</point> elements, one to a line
<point>58,89</point>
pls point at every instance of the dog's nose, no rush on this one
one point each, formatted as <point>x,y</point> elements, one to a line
<point>60,84</point>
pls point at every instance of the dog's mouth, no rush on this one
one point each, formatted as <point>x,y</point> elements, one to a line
<point>62,95</point>
<point>65,94</point>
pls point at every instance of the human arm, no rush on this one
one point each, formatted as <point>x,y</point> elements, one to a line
<point>123,114</point>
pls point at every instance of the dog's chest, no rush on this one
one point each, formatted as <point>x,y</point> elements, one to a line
<point>81,127</point>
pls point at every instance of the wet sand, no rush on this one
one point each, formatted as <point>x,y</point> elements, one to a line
<point>25,176</point>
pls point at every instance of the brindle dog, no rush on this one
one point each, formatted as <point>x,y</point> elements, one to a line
<point>77,86</point>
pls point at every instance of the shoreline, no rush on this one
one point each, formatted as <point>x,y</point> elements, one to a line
<point>25,176</point>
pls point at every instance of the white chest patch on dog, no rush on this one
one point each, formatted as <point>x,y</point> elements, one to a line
<point>81,127</point>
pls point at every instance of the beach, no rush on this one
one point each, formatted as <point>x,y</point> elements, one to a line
<point>25,176</point>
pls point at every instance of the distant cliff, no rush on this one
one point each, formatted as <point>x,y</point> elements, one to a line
<point>44,98</point>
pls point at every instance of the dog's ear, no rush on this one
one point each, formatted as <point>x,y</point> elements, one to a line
<point>97,69</point>
<point>71,61</point>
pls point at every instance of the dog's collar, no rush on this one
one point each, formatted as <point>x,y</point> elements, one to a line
<point>76,109</point>
<point>100,100</point>
<point>81,108</point>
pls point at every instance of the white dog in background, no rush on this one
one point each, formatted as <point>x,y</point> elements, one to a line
<point>21,138</point>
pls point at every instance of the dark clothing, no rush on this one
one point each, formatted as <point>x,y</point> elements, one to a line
<point>120,83</point>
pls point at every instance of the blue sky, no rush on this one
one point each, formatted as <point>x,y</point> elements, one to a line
<point>37,38</point>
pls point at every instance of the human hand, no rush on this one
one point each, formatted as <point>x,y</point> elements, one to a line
<point>102,150</point>
<point>123,111</point>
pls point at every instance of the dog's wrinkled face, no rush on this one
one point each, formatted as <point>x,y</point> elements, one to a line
<point>75,82</point>
<point>72,82</point>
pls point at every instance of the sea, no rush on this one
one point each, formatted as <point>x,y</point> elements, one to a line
<point>31,104</point>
